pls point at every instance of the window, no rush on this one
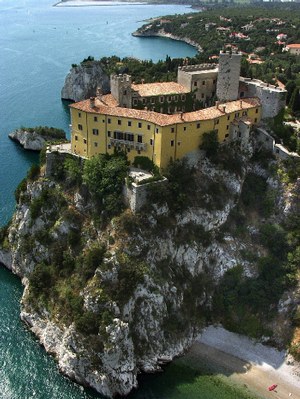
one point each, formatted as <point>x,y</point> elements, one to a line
<point>95,132</point>
<point>237,114</point>
<point>144,101</point>
<point>183,97</point>
<point>255,120</point>
<point>125,92</point>
<point>161,99</point>
<point>203,82</point>
<point>79,114</point>
<point>244,113</point>
<point>217,121</point>
<point>202,95</point>
<point>108,133</point>
<point>148,127</point>
<point>108,120</point>
<point>172,143</point>
<point>179,142</point>
<point>129,136</point>
<point>172,129</point>
<point>135,101</point>
<point>256,111</point>
<point>240,134</point>
<point>198,125</point>
<point>156,130</point>
<point>169,98</point>
<point>95,144</point>
<point>176,99</point>
<point>214,81</point>
<point>79,126</point>
<point>95,119</point>
<point>242,94</point>
<point>195,84</point>
<point>227,127</point>
<point>139,125</point>
<point>119,122</point>
<point>129,123</point>
<point>84,140</point>
<point>228,117</point>
<point>152,100</point>
<point>151,141</point>
<point>140,138</point>
<point>184,128</point>
<point>76,138</point>
<point>109,146</point>
<point>227,135</point>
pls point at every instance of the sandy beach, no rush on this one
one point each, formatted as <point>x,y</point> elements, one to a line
<point>246,362</point>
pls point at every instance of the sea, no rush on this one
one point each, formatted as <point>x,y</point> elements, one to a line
<point>38,44</point>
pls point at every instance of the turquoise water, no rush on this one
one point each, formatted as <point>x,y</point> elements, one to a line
<point>38,44</point>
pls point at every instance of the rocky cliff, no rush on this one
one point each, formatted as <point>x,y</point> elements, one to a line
<point>83,80</point>
<point>34,139</point>
<point>113,299</point>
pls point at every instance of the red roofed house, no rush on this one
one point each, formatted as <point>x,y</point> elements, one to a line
<point>293,48</point>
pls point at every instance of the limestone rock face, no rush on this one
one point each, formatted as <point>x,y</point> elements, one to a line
<point>147,316</point>
<point>82,82</point>
<point>29,140</point>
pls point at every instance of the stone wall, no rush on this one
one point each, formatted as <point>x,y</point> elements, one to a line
<point>228,77</point>
<point>200,79</point>
<point>272,98</point>
<point>135,196</point>
<point>120,86</point>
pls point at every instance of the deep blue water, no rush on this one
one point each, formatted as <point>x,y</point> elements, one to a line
<point>38,43</point>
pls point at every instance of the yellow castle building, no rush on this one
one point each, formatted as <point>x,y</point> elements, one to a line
<point>100,125</point>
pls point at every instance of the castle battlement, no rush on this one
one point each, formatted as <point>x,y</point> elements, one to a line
<point>121,78</point>
<point>197,67</point>
<point>260,83</point>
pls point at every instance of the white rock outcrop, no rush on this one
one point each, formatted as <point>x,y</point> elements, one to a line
<point>29,140</point>
<point>82,82</point>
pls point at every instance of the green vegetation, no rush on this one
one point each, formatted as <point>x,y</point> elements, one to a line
<point>104,176</point>
<point>177,193</point>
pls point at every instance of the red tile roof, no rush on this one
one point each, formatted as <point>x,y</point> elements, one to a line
<point>159,89</point>
<point>163,119</point>
<point>295,45</point>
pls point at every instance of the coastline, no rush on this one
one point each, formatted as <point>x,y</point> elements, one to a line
<point>162,33</point>
<point>242,361</point>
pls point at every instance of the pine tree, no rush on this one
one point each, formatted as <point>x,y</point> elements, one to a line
<point>294,103</point>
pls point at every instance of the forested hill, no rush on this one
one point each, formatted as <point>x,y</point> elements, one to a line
<point>250,29</point>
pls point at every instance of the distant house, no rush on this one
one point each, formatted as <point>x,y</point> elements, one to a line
<point>293,48</point>
<point>281,36</point>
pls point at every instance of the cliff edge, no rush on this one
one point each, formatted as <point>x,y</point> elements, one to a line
<point>83,80</point>
<point>112,294</point>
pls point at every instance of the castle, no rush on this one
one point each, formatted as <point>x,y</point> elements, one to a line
<point>165,121</point>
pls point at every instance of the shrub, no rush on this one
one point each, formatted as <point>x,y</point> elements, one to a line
<point>21,188</point>
<point>210,143</point>
<point>33,172</point>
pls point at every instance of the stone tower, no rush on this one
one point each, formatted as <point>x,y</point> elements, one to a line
<point>120,86</point>
<point>229,75</point>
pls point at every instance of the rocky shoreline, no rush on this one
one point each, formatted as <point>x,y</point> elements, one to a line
<point>162,33</point>
<point>32,140</point>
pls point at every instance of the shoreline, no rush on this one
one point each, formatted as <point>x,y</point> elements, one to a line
<point>245,362</point>
<point>165,35</point>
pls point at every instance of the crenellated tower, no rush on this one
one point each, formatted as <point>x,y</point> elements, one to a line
<point>120,86</point>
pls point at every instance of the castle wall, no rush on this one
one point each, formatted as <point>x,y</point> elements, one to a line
<point>228,77</point>
<point>272,98</point>
<point>135,196</point>
<point>199,79</point>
